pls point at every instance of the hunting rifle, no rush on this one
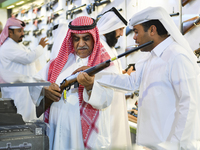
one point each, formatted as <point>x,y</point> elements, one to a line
<point>50,5</point>
<point>49,47</point>
<point>74,10</point>
<point>190,24</point>
<point>37,20</point>
<point>72,80</point>
<point>37,32</point>
<point>49,32</point>
<point>70,1</point>
<point>53,16</point>
<point>26,32</point>
<point>36,9</point>
<point>91,7</point>
<point>26,43</point>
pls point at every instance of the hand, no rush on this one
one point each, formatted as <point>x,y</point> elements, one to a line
<point>128,71</point>
<point>43,42</point>
<point>85,80</point>
<point>123,71</point>
<point>53,92</point>
<point>80,69</point>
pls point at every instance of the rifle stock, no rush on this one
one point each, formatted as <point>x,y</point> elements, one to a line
<point>72,80</point>
<point>184,2</point>
<point>190,24</point>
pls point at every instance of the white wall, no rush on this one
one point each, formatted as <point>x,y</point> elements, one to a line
<point>3,16</point>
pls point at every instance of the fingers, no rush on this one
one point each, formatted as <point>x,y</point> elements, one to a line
<point>43,42</point>
<point>130,70</point>
<point>87,77</point>
<point>53,92</point>
<point>54,87</point>
<point>123,71</point>
<point>83,77</point>
<point>85,80</point>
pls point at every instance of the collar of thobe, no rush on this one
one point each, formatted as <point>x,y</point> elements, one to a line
<point>9,39</point>
<point>16,44</point>
<point>158,50</point>
<point>81,60</point>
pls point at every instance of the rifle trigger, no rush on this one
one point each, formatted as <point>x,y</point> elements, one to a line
<point>68,87</point>
<point>76,85</point>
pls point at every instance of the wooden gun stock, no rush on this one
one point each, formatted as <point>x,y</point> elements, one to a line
<point>190,24</point>
<point>184,2</point>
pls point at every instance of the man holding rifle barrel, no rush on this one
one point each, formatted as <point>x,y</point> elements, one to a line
<point>79,117</point>
<point>168,82</point>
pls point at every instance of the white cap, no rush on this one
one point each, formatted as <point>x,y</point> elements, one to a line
<point>14,27</point>
<point>109,22</point>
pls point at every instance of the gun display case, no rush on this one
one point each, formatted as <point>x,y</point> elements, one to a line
<point>14,132</point>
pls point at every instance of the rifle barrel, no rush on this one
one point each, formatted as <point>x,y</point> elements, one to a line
<point>132,50</point>
<point>77,7</point>
<point>93,70</point>
<point>174,14</point>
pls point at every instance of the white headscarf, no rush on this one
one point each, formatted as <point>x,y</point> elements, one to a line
<point>109,22</point>
<point>152,13</point>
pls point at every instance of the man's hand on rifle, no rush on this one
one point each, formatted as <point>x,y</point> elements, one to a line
<point>85,80</point>
<point>80,69</point>
<point>53,92</point>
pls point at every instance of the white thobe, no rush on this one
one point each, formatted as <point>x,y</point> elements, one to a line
<point>120,132</point>
<point>17,58</point>
<point>64,119</point>
<point>168,98</point>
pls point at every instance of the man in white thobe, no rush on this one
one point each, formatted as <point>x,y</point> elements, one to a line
<point>111,26</point>
<point>80,117</point>
<point>168,80</point>
<point>16,58</point>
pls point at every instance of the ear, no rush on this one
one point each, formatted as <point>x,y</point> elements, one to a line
<point>10,33</point>
<point>153,30</point>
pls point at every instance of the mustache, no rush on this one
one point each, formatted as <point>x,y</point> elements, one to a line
<point>22,36</point>
<point>83,47</point>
